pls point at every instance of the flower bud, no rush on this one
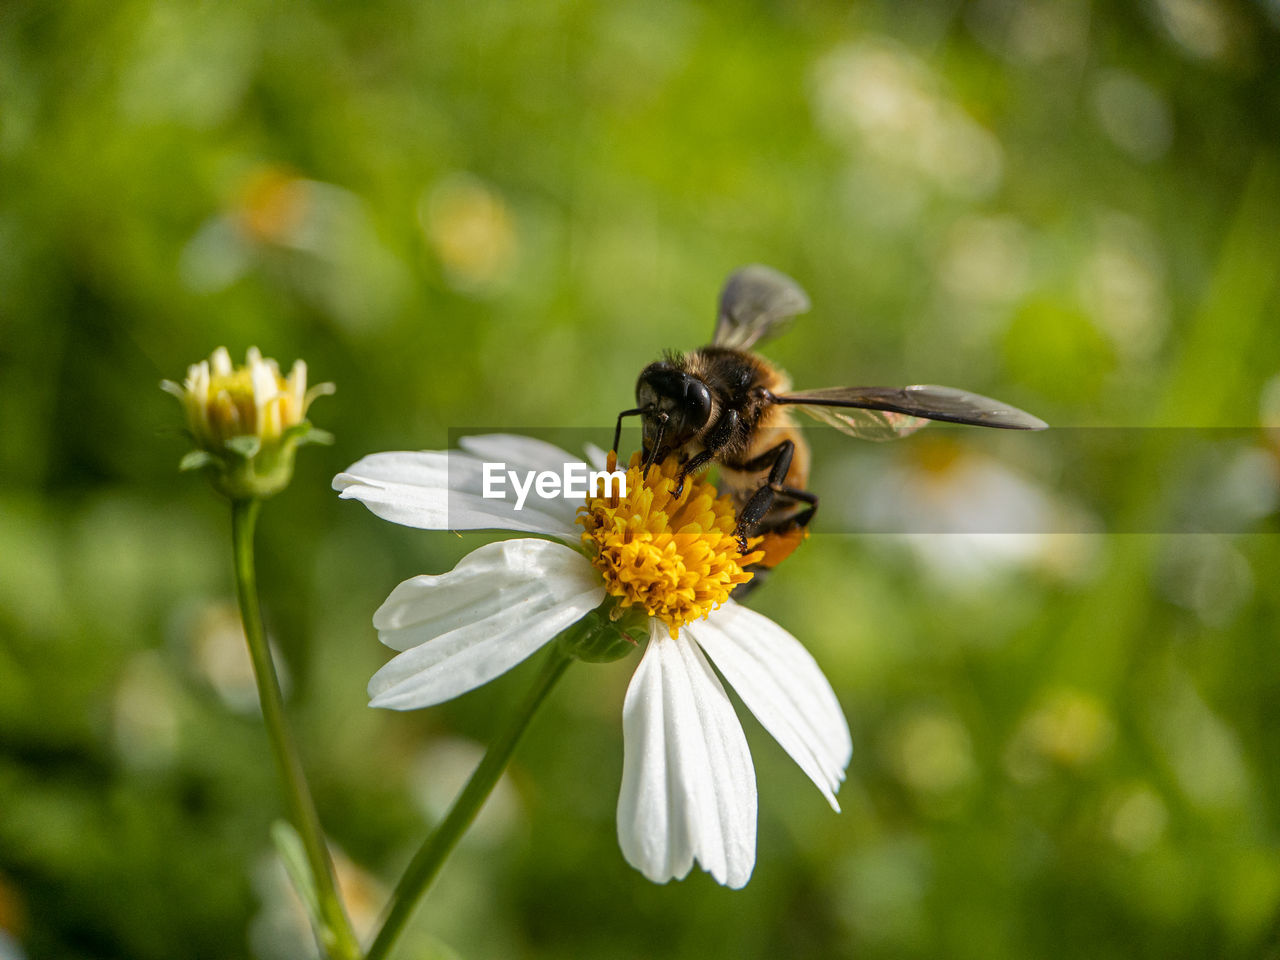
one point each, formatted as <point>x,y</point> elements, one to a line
<point>247,421</point>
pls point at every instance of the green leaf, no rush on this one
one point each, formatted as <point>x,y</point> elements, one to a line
<point>294,856</point>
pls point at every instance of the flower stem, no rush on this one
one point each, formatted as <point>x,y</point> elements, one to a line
<point>430,857</point>
<point>338,939</point>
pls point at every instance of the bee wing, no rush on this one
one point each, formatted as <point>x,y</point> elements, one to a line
<point>878,425</point>
<point>754,303</point>
<point>885,413</point>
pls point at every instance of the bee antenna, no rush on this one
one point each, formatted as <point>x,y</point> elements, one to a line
<point>617,431</point>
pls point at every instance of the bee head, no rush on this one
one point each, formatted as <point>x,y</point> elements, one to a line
<point>675,407</point>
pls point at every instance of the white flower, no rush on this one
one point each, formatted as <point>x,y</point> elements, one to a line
<point>688,784</point>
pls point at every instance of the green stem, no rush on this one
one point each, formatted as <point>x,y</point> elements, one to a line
<point>426,863</point>
<point>338,939</point>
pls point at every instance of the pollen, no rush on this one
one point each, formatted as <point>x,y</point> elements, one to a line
<point>675,556</point>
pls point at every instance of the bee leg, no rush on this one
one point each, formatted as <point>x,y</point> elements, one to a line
<point>801,519</point>
<point>805,516</point>
<point>713,443</point>
<point>694,463</point>
<point>780,526</point>
<point>778,459</point>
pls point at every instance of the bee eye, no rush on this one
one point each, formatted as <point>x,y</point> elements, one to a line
<point>679,398</point>
<point>697,401</point>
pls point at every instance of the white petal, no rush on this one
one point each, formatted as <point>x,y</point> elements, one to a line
<point>528,452</point>
<point>297,381</point>
<point>688,787</point>
<point>221,361</point>
<point>435,490</point>
<point>525,454</point>
<point>461,629</point>
<point>265,389</point>
<point>783,686</point>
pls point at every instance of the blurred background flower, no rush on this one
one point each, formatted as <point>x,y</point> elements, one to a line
<point>493,217</point>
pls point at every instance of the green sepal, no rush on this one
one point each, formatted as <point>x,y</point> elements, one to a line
<point>196,460</point>
<point>247,445</point>
<point>246,467</point>
<point>304,433</point>
<point>634,625</point>
<point>605,634</point>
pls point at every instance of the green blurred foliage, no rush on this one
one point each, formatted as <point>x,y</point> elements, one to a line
<point>492,214</point>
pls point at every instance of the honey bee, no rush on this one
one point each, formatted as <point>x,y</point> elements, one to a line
<point>726,404</point>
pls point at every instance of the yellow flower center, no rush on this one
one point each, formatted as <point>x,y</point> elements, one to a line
<point>230,407</point>
<point>233,410</point>
<point>675,556</point>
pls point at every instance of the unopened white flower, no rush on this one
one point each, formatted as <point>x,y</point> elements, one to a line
<point>688,784</point>
<point>247,421</point>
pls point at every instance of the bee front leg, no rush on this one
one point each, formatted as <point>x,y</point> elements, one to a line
<point>715,440</point>
<point>693,464</point>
